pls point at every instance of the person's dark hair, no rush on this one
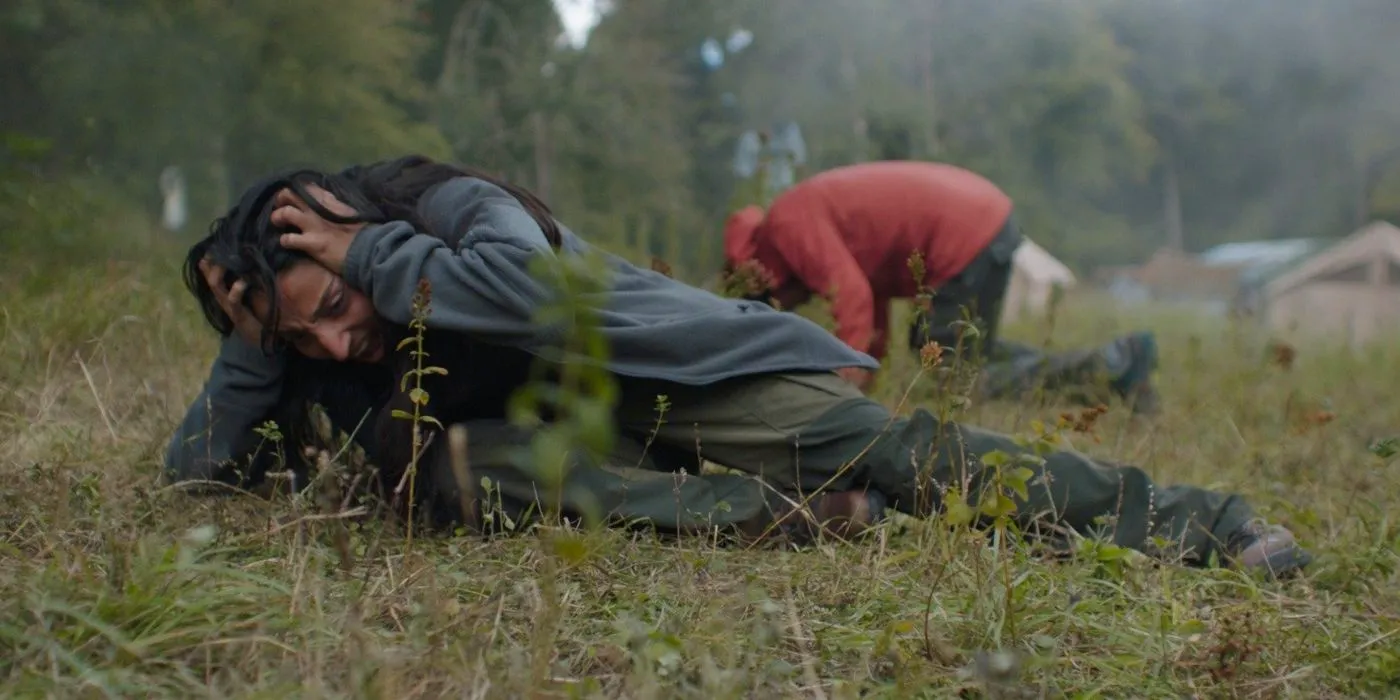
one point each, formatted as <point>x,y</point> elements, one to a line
<point>247,245</point>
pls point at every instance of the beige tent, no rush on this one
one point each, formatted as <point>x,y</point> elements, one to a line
<point>1171,275</point>
<point>1034,275</point>
<point>1349,292</point>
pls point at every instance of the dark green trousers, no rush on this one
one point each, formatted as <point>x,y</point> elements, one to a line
<point>1009,370</point>
<point>1016,371</point>
<point>795,434</point>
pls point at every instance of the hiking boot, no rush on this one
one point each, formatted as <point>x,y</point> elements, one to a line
<point>1270,549</point>
<point>841,514</point>
<point>1136,383</point>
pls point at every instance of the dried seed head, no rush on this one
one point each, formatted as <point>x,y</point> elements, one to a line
<point>930,355</point>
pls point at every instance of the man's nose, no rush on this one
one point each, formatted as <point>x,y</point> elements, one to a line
<point>336,342</point>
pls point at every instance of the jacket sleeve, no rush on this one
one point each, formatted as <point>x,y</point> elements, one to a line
<point>481,286</point>
<point>243,388</point>
<point>817,256</point>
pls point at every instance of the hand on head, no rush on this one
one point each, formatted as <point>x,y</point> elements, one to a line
<point>230,298</point>
<point>327,242</point>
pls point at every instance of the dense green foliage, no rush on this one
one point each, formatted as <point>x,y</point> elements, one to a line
<point>1118,125</point>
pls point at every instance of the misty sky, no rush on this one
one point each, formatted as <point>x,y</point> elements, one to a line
<point>578,17</point>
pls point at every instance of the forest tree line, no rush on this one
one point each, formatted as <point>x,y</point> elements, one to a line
<point>1119,126</point>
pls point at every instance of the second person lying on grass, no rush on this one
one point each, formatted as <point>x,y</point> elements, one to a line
<point>311,278</point>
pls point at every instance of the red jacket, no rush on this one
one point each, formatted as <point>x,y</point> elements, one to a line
<point>848,233</point>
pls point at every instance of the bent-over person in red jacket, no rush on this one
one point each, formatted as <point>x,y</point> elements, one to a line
<point>848,234</point>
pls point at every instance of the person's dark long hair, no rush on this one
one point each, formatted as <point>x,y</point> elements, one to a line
<point>247,245</point>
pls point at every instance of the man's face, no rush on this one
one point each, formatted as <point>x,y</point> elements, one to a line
<point>324,318</point>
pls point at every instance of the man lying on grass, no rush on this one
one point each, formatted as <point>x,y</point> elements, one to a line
<point>310,278</point>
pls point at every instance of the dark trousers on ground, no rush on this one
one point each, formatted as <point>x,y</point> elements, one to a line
<point>1007,369</point>
<point>791,435</point>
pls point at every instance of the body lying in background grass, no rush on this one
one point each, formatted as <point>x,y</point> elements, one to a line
<point>313,279</point>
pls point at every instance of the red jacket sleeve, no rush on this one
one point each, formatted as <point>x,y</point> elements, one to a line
<point>820,260</point>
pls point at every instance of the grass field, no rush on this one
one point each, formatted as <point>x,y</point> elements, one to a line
<point>114,584</point>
